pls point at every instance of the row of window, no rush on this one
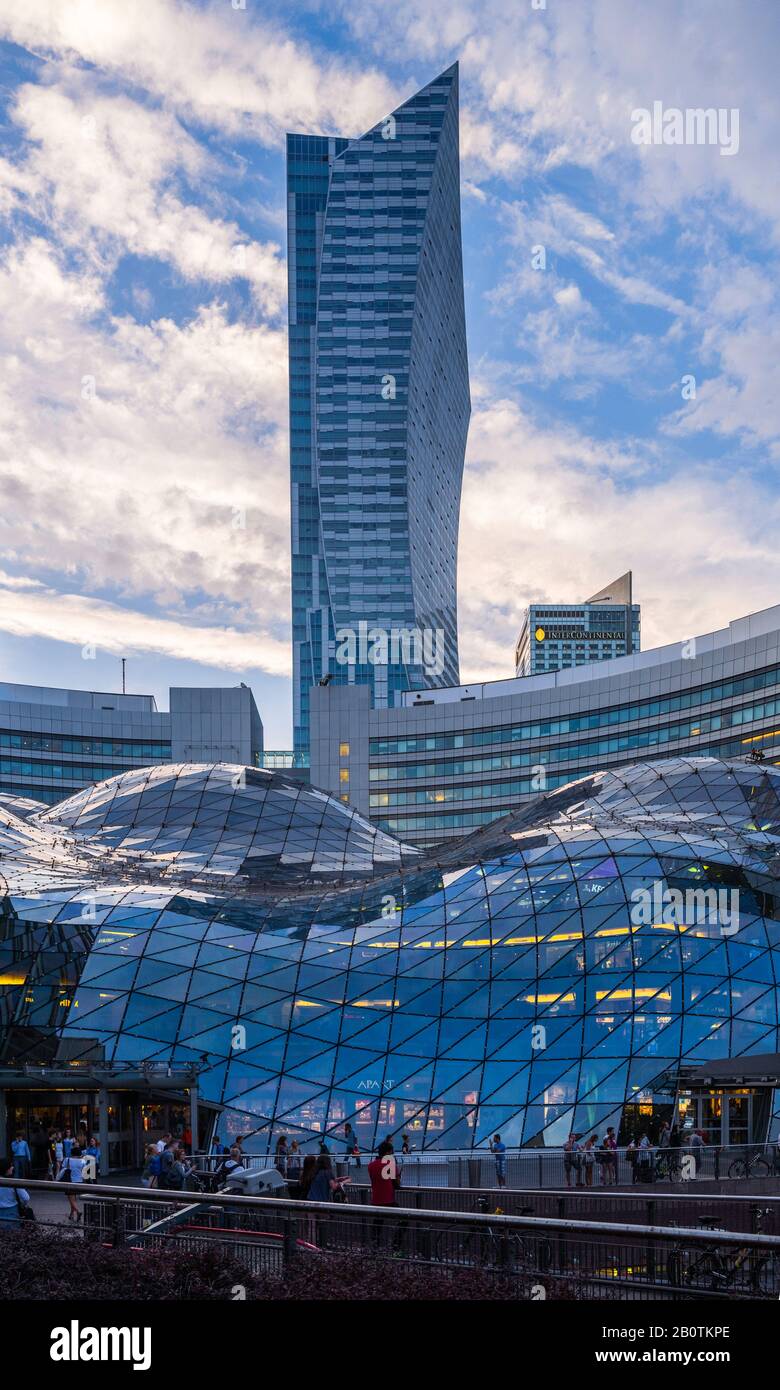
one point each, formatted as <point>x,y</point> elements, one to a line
<point>70,772</point>
<point>116,748</point>
<point>642,738</point>
<point>619,714</point>
<point>405,826</point>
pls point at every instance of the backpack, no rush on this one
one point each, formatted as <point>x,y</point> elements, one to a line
<point>227,1167</point>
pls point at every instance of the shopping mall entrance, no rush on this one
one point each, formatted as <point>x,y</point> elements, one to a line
<point>122,1108</point>
<point>725,1116</point>
<point>731,1102</point>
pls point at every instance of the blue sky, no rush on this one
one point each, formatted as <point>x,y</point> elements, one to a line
<point>143,430</point>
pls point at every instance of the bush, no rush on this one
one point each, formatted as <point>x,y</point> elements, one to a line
<point>40,1264</point>
<point>36,1263</point>
<point>362,1275</point>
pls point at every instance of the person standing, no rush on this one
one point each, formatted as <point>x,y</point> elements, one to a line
<point>56,1153</point>
<point>166,1162</point>
<point>351,1145</point>
<point>280,1155</point>
<point>294,1162</point>
<point>93,1149</point>
<point>228,1166</point>
<point>498,1150</point>
<point>20,1150</point>
<point>572,1159</point>
<point>72,1172</point>
<point>67,1143</point>
<point>306,1178</point>
<point>589,1158</point>
<point>383,1176</point>
<point>151,1170</point>
<point>646,1159</point>
<point>609,1145</point>
<point>182,1175</point>
<point>698,1152</point>
<point>324,1183</point>
<point>12,1199</point>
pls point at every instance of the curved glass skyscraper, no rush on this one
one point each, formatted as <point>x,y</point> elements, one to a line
<point>379,401</point>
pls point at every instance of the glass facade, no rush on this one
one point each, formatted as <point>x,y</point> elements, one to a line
<point>424,798</point>
<point>557,636</point>
<point>379,401</point>
<point>554,639</point>
<point>544,973</point>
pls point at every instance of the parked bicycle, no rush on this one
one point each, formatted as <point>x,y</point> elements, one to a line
<point>718,1270</point>
<point>498,1249</point>
<point>755,1165</point>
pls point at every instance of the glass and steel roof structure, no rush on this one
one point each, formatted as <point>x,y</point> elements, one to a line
<point>533,977</point>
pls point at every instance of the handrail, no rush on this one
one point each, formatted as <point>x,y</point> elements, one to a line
<point>338,1153</point>
<point>291,1207</point>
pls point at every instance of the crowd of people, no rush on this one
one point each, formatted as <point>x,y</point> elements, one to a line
<point>313,1177</point>
<point>169,1165</point>
<point>50,1151</point>
<point>60,1156</point>
<point>592,1162</point>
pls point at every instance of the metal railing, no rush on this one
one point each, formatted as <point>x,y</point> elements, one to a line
<point>542,1256</point>
<point>553,1168</point>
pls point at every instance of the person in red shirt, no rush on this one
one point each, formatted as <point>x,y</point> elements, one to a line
<point>384,1177</point>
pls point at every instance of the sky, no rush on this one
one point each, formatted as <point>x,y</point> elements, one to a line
<point>625,393</point>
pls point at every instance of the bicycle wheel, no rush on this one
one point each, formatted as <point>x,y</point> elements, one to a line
<point>761,1169</point>
<point>764,1277</point>
<point>738,1168</point>
<point>707,1273</point>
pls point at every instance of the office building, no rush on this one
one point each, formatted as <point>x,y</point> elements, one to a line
<point>451,760</point>
<point>555,636</point>
<point>54,741</point>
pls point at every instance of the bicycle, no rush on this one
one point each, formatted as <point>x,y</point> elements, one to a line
<point>668,1166</point>
<point>756,1166</point>
<point>502,1250</point>
<point>715,1271</point>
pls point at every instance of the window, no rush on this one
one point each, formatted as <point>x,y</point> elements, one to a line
<point>344,774</point>
<point>343,750</point>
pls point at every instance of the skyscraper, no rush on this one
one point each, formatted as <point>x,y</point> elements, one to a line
<point>379,401</point>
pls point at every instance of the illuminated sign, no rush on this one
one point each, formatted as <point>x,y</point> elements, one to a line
<point>576,634</point>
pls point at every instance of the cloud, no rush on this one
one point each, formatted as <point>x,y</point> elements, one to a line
<point>87,622</point>
<point>218,65</point>
<point>144,461</point>
<point>145,458</point>
<point>548,515</point>
<point>99,171</point>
